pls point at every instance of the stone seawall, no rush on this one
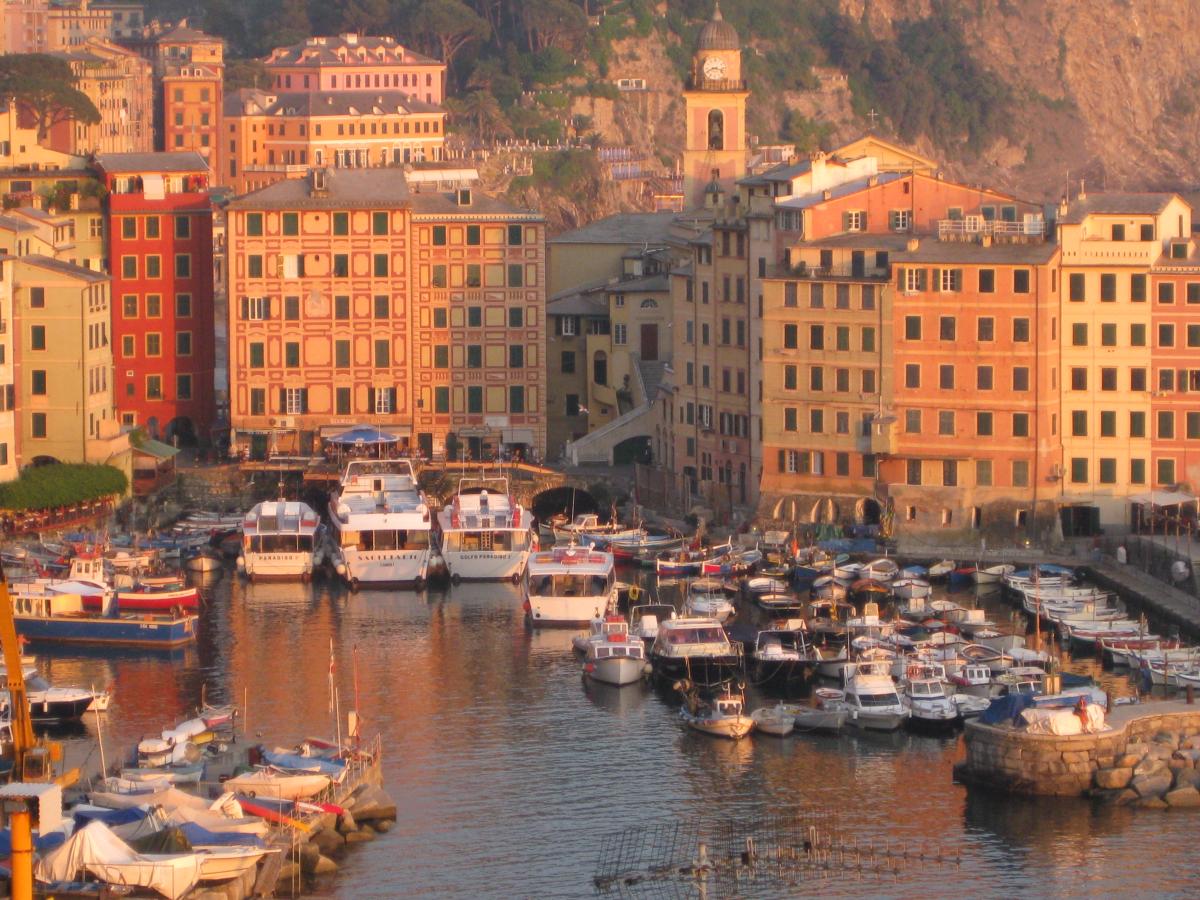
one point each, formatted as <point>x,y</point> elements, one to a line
<point>1016,762</point>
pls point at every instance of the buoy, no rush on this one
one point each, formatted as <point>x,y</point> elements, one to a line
<point>635,593</point>
<point>516,577</point>
<point>354,584</point>
<point>340,568</point>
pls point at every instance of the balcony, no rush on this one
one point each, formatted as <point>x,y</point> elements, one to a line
<point>721,85</point>
<point>975,228</point>
<point>845,272</point>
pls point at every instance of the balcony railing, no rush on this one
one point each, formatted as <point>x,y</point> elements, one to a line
<point>847,271</point>
<point>725,85</point>
<point>972,227</point>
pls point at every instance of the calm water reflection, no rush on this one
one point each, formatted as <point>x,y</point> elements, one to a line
<point>509,771</point>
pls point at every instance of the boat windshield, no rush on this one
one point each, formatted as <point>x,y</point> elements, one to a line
<point>714,635</point>
<point>572,585</point>
<point>386,540</point>
<point>877,699</point>
<point>280,543</point>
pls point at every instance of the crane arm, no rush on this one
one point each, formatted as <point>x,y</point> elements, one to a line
<point>18,704</point>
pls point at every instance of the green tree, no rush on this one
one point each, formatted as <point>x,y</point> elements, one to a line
<point>246,73</point>
<point>482,110</point>
<point>552,23</point>
<point>43,87</point>
<point>446,26</point>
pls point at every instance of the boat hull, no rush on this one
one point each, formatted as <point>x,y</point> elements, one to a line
<point>877,721</point>
<point>383,566</point>
<point>132,631</point>
<point>816,719</point>
<point>567,612</point>
<point>485,565</point>
<point>700,669</point>
<point>616,670</point>
<point>281,566</point>
<point>149,601</point>
<point>732,727</point>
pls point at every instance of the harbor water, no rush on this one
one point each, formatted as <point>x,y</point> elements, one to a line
<point>509,771</point>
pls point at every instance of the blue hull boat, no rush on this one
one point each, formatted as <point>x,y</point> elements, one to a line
<point>124,631</point>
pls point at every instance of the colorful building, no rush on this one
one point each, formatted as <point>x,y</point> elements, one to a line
<point>8,377</point>
<point>357,297</point>
<point>161,259</point>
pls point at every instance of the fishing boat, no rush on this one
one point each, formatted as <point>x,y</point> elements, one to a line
<point>486,533</point>
<point>694,648</point>
<point>600,628</point>
<point>54,616</point>
<point>765,584</point>
<point>940,571</point>
<point>993,574</point>
<point>871,700</point>
<point>203,559</point>
<point>382,532</point>
<point>706,598</point>
<point>569,586</point>
<point>688,562</point>
<point>721,714</point>
<point>153,594</point>
<point>734,562</point>
<point>778,720</point>
<point>883,570</point>
<point>643,546</point>
<point>281,540</point>
<point>827,587</point>
<point>827,712</point>
<point>612,655</point>
<point>779,604</point>
<point>911,588</point>
<point>588,529</point>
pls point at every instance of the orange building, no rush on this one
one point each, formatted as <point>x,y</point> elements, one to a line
<point>352,62</point>
<point>189,67</point>
<point>269,137</point>
<point>357,297</point>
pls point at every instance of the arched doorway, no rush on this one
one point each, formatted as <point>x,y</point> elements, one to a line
<point>869,511</point>
<point>824,512</point>
<point>44,461</point>
<point>183,429</point>
<point>633,449</point>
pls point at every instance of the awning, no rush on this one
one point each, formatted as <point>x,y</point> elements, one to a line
<point>516,436</point>
<point>156,449</point>
<point>364,434</point>
<point>1162,498</point>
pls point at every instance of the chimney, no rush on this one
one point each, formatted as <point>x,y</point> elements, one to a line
<point>319,183</point>
<point>913,245</point>
<point>827,194</point>
<point>1082,190</point>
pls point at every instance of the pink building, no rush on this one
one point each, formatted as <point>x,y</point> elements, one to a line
<point>351,62</point>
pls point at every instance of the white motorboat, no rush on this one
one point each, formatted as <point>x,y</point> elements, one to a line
<point>274,785</point>
<point>871,699</point>
<point>645,619</point>
<point>696,649</point>
<point>281,540</point>
<point>993,574</point>
<point>220,863</point>
<point>969,706</point>
<point>925,697</point>
<point>611,654</point>
<point>828,712</point>
<point>778,720</point>
<point>569,586</point>
<point>706,598</point>
<point>381,524</point>
<point>486,533</point>
<point>722,715</point>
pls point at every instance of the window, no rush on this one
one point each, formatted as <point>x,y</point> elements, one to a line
<point>474,356</point>
<point>816,421</point>
<point>1108,287</point>
<point>1079,470</point>
<point>1079,334</point>
<point>1165,471</point>
<point>868,340</point>
<point>1020,281</point>
<point>183,343</point>
<point>516,356</point>
<point>1193,425</point>
<point>441,401</point>
<point>154,387</point>
<point>379,265</point>
<point>620,333</point>
<point>983,424</point>
<point>1108,423</point>
<point>37,382</point>
<point>946,377</point>
<point>899,219</point>
<point>258,401</point>
<point>295,401</point>
<point>946,422</point>
<point>912,421</point>
<point>1079,423</point>
<point>516,398</point>
<point>912,471</point>
<point>867,300</point>
<point>1020,331</point>
<point>983,378</point>
<point>38,424</point>
<point>949,280</point>
<point>568,362</point>
<point>987,281</point>
<point>1137,288</point>
<point>379,223</point>
<point>983,472</point>
<point>128,346</point>
<point>1020,378</point>
<point>911,281</point>
<point>37,298</point>
<point>291,354</point>
<point>1118,232</point>
<point>474,399</point>
<point>341,354</point>
<point>1166,425</point>
<point>515,234</point>
<point>1137,379</point>
<point>1166,379</point>
<point>516,317</point>
<point>1193,292</point>
<point>789,418</point>
<point>254,224</point>
<point>154,344</point>
<point>254,265</point>
<point>946,328</point>
<point>1108,378</point>
<point>1020,424</point>
<point>950,472</point>
<point>341,265</point>
<point>129,228</point>
<point>912,375</point>
<point>1020,473</point>
<point>341,225</point>
<point>1078,378</point>
<point>1137,334</point>
<point>912,328</point>
<point>515,275</point>
<point>291,224</point>
<point>842,337</point>
<point>37,337</point>
<point>341,307</point>
<point>985,328</point>
<point>257,356</point>
<point>1137,424</point>
<point>1108,471</point>
<point>1076,289</point>
<point>1166,292</point>
<point>1166,335</point>
<point>183,387</point>
<point>1108,334</point>
<point>816,337</point>
<point>342,401</point>
<point>816,378</point>
<point>1137,471</point>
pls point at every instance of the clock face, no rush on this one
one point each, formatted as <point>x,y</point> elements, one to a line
<point>714,68</point>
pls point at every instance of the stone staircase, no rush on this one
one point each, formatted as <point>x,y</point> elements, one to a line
<point>598,446</point>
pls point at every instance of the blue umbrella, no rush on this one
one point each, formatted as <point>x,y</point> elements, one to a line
<point>363,434</point>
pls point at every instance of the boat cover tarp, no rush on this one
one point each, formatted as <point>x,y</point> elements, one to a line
<point>97,851</point>
<point>295,762</point>
<point>43,843</point>
<point>168,840</point>
<point>1006,709</point>
<point>168,798</point>
<point>109,817</point>
<point>200,836</point>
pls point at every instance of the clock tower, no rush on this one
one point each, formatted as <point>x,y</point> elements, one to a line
<point>715,109</point>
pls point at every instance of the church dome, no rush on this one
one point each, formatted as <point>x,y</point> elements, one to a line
<point>717,34</point>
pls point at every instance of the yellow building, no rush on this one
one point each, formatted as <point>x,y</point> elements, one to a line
<point>119,84</point>
<point>1109,342</point>
<point>8,420</point>
<point>715,140</point>
<point>61,320</point>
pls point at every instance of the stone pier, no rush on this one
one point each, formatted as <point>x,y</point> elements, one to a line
<point>1016,762</point>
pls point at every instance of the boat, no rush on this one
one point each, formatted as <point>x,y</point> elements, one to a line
<point>382,532</point>
<point>734,562</point>
<point>486,533</point>
<point>600,628</point>
<point>993,574</point>
<point>782,655</point>
<point>49,704</point>
<point>218,863</point>
<point>271,783</point>
<point>569,586</point>
<point>827,587</point>
<point>779,604</point>
<point>778,720</point>
<point>827,713</point>
<point>696,649</point>
<point>204,559</point>
<point>881,570</point>
<point>643,546</point>
<point>925,697</point>
<point>765,584</point>
<point>588,529</point>
<point>870,697</point>
<point>687,562</point>
<point>706,598</point>
<point>969,706</point>
<point>147,596</point>
<point>281,540</point>
<point>184,773</point>
<point>644,620</point>
<point>613,655</point>
<point>53,617</point>
<point>721,714</point>
<point>911,588</point>
<point>940,571</point>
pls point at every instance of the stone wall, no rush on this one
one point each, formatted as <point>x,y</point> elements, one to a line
<point>1017,762</point>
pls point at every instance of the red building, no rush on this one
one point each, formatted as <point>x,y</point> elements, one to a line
<point>160,255</point>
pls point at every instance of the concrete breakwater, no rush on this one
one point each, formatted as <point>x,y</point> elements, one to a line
<point>1147,756</point>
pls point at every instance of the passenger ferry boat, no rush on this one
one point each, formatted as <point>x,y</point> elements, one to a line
<point>569,586</point>
<point>486,534</point>
<point>281,540</point>
<point>381,524</point>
